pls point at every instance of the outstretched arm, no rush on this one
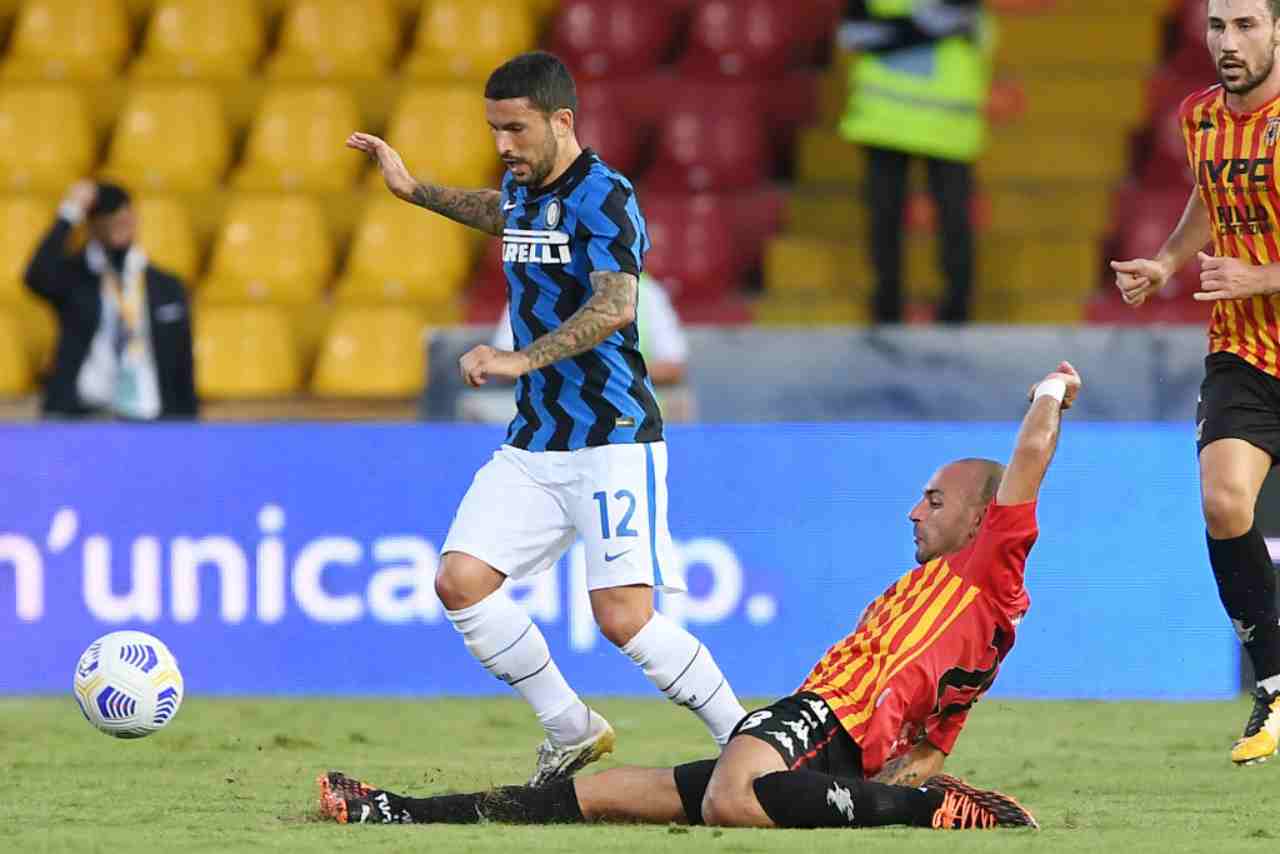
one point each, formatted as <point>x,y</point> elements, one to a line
<point>1038,438</point>
<point>611,307</point>
<point>480,209</point>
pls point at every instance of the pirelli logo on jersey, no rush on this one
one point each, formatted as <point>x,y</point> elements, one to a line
<point>535,246</point>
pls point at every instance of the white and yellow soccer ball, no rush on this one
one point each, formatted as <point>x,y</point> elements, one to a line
<point>128,684</point>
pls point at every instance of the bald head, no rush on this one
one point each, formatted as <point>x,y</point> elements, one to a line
<point>948,515</point>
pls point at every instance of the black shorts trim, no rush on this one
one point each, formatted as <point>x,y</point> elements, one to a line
<point>806,733</point>
<point>1238,401</point>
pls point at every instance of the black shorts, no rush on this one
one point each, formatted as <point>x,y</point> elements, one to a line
<point>806,734</point>
<point>1238,401</point>
<point>804,731</point>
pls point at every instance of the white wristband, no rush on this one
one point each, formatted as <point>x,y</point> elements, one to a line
<point>1054,387</point>
<point>71,212</point>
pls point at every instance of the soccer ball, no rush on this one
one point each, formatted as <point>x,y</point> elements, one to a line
<point>128,684</point>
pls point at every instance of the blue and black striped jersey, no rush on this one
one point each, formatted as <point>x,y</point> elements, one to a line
<point>586,220</point>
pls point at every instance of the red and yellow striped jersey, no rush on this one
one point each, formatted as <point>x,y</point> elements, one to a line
<point>1233,158</point>
<point>930,645</point>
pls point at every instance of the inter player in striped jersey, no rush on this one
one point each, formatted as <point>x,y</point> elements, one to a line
<point>585,455</point>
<point>863,741</point>
<point>1231,132</point>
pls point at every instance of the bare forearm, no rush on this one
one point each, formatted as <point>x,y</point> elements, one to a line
<point>913,768</point>
<point>1037,442</point>
<point>1192,233</point>
<point>480,209</point>
<point>610,308</point>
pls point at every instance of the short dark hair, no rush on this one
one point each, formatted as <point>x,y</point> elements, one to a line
<point>109,199</point>
<point>539,76</point>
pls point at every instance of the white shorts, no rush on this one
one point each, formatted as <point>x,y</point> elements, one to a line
<point>525,509</point>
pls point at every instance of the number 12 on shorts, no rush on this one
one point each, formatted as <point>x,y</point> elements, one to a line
<point>624,529</point>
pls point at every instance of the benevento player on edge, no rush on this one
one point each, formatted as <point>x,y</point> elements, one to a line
<point>862,742</point>
<point>1231,132</point>
<point>585,454</point>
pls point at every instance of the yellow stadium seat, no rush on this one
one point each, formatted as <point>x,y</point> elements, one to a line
<point>401,253</point>
<point>15,369</point>
<point>46,140</point>
<point>442,135</point>
<point>271,249</point>
<point>244,352</point>
<point>822,156</point>
<point>39,330</point>
<point>467,39</point>
<point>170,139</point>
<point>23,221</point>
<point>296,142</point>
<point>68,40</point>
<point>323,39</point>
<point>202,40</point>
<point>372,353</point>
<point>166,235</point>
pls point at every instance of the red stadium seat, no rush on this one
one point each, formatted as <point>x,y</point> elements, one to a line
<point>742,38</point>
<point>607,129</point>
<point>692,252</point>
<point>815,25</point>
<point>1190,53</point>
<point>607,38</point>
<point>1145,218</point>
<point>708,144</point>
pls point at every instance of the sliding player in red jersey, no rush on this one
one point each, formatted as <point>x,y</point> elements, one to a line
<point>863,741</point>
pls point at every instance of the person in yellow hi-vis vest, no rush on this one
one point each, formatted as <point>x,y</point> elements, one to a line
<point>918,88</point>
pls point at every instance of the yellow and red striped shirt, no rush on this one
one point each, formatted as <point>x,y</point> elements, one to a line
<point>930,645</point>
<point>1233,157</point>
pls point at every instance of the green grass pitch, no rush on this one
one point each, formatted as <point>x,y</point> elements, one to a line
<point>238,775</point>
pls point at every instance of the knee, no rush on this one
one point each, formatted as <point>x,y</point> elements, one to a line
<point>724,809</point>
<point>459,585</point>
<point>1228,510</point>
<point>621,622</point>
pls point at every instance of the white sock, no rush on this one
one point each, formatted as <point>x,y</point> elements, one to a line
<point>505,641</point>
<point>684,670</point>
<point>1271,684</point>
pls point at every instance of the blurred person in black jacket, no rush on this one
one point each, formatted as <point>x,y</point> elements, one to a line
<point>124,342</point>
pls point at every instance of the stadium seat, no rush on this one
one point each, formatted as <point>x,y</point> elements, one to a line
<point>706,146</point>
<point>467,39</point>
<point>244,352</point>
<point>823,157</point>
<point>23,221</point>
<point>607,38</point>
<point>68,40</point>
<point>609,130</point>
<point>403,254</point>
<point>741,38</point>
<point>457,151</point>
<point>693,250</point>
<point>372,353</point>
<point>15,369</point>
<point>166,235</point>
<point>295,143</point>
<point>46,140</point>
<point>1145,218</point>
<point>335,39</point>
<point>270,249</point>
<point>201,40</point>
<point>170,139</point>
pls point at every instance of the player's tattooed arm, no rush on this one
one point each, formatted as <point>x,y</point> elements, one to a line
<point>610,308</point>
<point>480,209</point>
<point>912,769</point>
